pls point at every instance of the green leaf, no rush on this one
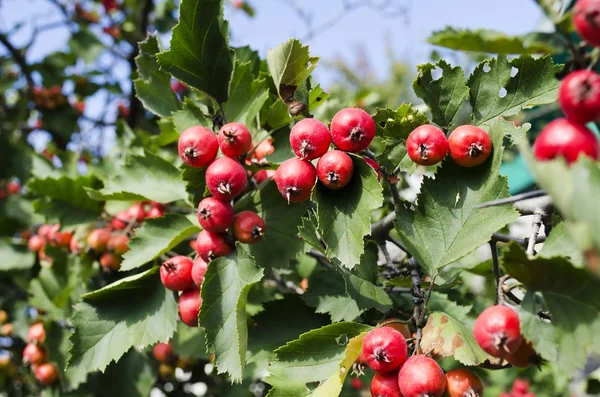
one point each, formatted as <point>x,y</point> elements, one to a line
<point>15,257</point>
<point>280,243</point>
<point>316,97</point>
<point>345,215</point>
<point>533,84</point>
<point>51,289</point>
<point>445,225</point>
<point>314,357</point>
<point>200,55</point>
<point>491,41</point>
<point>196,182</point>
<point>190,115</point>
<point>308,231</point>
<point>190,342</point>
<point>148,177</point>
<point>327,294</point>
<point>155,237</point>
<point>223,312</point>
<point>560,243</point>
<point>153,86</point>
<point>131,376</point>
<point>136,311</point>
<point>366,294</point>
<point>444,95</point>
<point>86,45</point>
<point>290,64</point>
<point>247,94</point>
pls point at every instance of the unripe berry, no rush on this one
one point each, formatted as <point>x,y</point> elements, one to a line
<point>295,179</point>
<point>163,352</point>
<point>427,145</point>
<point>384,349</point>
<point>110,262</point>
<point>213,245</point>
<point>421,376</point>
<point>248,227</point>
<point>463,383</point>
<point>46,374</point>
<point>579,96</point>
<point>567,139</point>
<point>189,306</point>
<point>310,139</point>
<point>176,273</point>
<point>118,243</point>
<point>385,385</point>
<point>198,271</point>
<point>234,139</point>
<point>198,146</point>
<point>7,329</point>
<point>352,129</point>
<point>34,354</point>
<point>166,371</point>
<point>373,164</point>
<point>98,239</point>
<point>225,178</point>
<point>586,18</point>
<point>498,331</point>
<point>215,215</point>
<point>3,316</point>
<point>36,333</point>
<point>469,146</point>
<point>264,149</point>
<point>335,169</point>
<point>36,243</point>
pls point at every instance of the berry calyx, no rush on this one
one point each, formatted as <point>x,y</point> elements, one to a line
<point>34,354</point>
<point>384,349</point>
<point>215,215</point>
<point>385,385</point>
<point>213,245</point>
<point>373,164</point>
<point>36,333</point>
<point>421,376</point>
<point>295,179</point>
<point>579,96</point>
<point>335,169</point>
<point>46,374</point>
<point>310,139</point>
<point>498,331</point>
<point>225,178</point>
<point>198,271</point>
<point>36,243</point>
<point>586,18</point>
<point>248,227</point>
<point>189,306</point>
<point>567,139</point>
<point>98,239</point>
<point>198,146</point>
<point>525,356</point>
<point>118,243</point>
<point>176,273</point>
<point>469,146</point>
<point>463,383</point>
<point>163,352</point>
<point>234,139</point>
<point>427,145</point>
<point>352,129</point>
<point>110,262</point>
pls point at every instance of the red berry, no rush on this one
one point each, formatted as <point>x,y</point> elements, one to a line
<point>310,139</point>
<point>264,149</point>
<point>335,169</point>
<point>61,239</point>
<point>461,383</point>
<point>118,243</point>
<point>524,356</point>
<point>74,246</point>
<point>421,376</point>
<point>163,352</point>
<point>427,145</point>
<point>263,175</point>
<point>520,386</point>
<point>44,231</point>
<point>567,139</point>
<point>225,178</point>
<point>110,262</point>
<point>384,349</point>
<point>36,333</point>
<point>212,245</point>
<point>352,129</point>
<point>52,233</point>
<point>98,239</point>
<point>34,354</point>
<point>498,331</point>
<point>385,385</point>
<point>36,243</point>
<point>198,271</point>
<point>586,18</point>
<point>136,212</point>
<point>215,215</point>
<point>46,374</point>
<point>579,96</point>
<point>356,384</point>
<point>155,212</point>
<point>13,187</point>
<point>198,146</point>
<point>189,307</point>
<point>469,146</point>
<point>295,179</point>
<point>234,139</point>
<point>176,273</point>
<point>118,222</point>
<point>375,166</point>
<point>248,227</point>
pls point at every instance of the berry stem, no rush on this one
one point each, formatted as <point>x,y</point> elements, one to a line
<point>499,298</point>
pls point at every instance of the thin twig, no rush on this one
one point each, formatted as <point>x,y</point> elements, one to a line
<point>512,199</point>
<point>535,230</point>
<point>418,299</point>
<point>499,298</point>
<point>398,244</point>
<point>503,238</point>
<point>19,59</point>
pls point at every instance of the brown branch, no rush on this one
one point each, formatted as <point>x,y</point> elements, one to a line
<point>19,59</point>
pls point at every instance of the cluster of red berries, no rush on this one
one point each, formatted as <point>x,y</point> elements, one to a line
<point>11,188</point>
<point>35,354</point>
<point>385,351</point>
<point>136,214</point>
<point>351,130</point>
<point>520,388</point>
<point>469,146</point>
<point>86,16</point>
<point>48,98</point>
<point>498,332</point>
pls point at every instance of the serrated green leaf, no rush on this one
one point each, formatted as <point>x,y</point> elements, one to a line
<point>155,237</point>
<point>445,225</point>
<point>136,312</point>
<point>131,376</point>
<point>290,65</point>
<point>153,86</point>
<point>223,312</point>
<point>247,94</point>
<point>190,115</point>
<point>314,357</point>
<point>345,215</point>
<point>533,84</point>
<point>190,342</point>
<point>85,45</point>
<point>491,41</point>
<point>57,343</point>
<point>366,294</point>
<point>308,231</point>
<point>15,257</point>
<point>51,289</point>
<point>327,294</point>
<point>444,95</point>
<point>200,55</point>
<point>278,115</point>
<point>560,243</point>
<point>316,97</point>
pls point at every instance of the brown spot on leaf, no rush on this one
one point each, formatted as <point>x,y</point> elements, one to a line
<point>457,342</point>
<point>444,319</point>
